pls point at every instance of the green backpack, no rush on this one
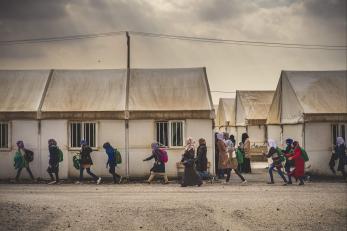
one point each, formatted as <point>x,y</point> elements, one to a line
<point>304,155</point>
<point>280,153</point>
<point>61,155</point>
<point>118,156</point>
<point>76,159</point>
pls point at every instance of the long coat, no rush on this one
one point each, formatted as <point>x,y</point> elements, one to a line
<point>340,152</point>
<point>190,176</point>
<point>201,159</point>
<point>223,162</point>
<point>299,163</point>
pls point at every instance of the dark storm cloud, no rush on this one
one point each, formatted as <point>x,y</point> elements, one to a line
<point>24,10</point>
<point>327,9</point>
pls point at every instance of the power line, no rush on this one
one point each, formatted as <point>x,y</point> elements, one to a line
<point>178,37</point>
<point>242,42</point>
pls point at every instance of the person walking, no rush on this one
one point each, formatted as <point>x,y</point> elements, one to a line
<point>190,176</point>
<point>288,151</point>
<point>247,150</point>
<point>275,154</point>
<point>53,163</point>
<point>201,159</point>
<point>158,168</point>
<point>240,157</point>
<point>299,163</point>
<point>232,162</point>
<point>223,156</point>
<point>86,162</point>
<point>21,160</point>
<point>111,162</point>
<point>340,153</point>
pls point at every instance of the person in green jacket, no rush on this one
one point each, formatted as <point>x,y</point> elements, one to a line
<point>239,156</point>
<point>21,160</point>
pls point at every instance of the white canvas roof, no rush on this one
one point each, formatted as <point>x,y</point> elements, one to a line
<point>252,107</point>
<point>174,93</point>
<point>309,95</point>
<point>21,92</point>
<point>98,91</point>
<point>226,112</point>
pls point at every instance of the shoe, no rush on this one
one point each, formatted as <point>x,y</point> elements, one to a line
<point>285,184</point>
<point>78,182</point>
<point>120,179</point>
<point>183,185</point>
<point>98,181</point>
<point>301,183</point>
<point>289,182</point>
<point>52,182</point>
<point>244,182</point>
<point>270,182</point>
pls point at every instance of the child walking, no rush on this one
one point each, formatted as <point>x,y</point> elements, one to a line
<point>53,161</point>
<point>111,162</point>
<point>22,159</point>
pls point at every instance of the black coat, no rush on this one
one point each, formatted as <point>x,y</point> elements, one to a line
<point>340,153</point>
<point>85,156</point>
<point>190,176</point>
<point>158,165</point>
<point>53,155</point>
<point>201,158</point>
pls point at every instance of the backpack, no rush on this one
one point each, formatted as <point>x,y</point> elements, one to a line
<point>60,155</point>
<point>29,155</point>
<point>304,155</point>
<point>118,156</point>
<point>280,153</point>
<point>76,161</point>
<point>163,155</point>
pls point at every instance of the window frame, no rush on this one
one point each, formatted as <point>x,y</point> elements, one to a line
<point>9,136</point>
<point>96,147</point>
<point>169,135</point>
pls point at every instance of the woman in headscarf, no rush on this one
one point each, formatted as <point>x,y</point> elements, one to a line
<point>277,157</point>
<point>223,155</point>
<point>158,168</point>
<point>232,161</point>
<point>247,150</point>
<point>340,153</point>
<point>299,163</point>
<point>53,163</point>
<point>201,159</point>
<point>190,176</point>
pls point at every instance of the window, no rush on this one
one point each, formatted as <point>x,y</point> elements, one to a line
<point>170,133</point>
<point>338,130</point>
<point>4,134</point>
<point>83,131</point>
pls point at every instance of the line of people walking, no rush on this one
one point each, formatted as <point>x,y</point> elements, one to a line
<point>292,159</point>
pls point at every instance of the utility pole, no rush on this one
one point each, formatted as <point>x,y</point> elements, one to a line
<point>127,106</point>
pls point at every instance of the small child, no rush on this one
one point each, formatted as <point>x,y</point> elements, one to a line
<point>111,162</point>
<point>276,156</point>
<point>53,161</point>
<point>21,160</point>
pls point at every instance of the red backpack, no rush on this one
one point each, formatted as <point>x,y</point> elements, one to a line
<point>163,155</point>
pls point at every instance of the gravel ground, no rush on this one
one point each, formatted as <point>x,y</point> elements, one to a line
<point>320,205</point>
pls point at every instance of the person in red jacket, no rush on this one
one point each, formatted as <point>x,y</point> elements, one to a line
<point>299,163</point>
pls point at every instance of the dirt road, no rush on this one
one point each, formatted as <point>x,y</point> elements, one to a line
<point>257,206</point>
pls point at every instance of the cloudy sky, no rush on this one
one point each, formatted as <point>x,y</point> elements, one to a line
<point>229,66</point>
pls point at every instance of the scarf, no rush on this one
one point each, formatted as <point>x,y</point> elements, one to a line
<point>190,144</point>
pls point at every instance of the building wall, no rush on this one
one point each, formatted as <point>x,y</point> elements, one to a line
<point>257,134</point>
<point>142,134</point>
<point>294,132</point>
<point>318,144</point>
<point>26,130</point>
<point>275,132</point>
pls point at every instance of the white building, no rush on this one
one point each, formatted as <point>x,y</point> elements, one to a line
<point>226,115</point>
<point>252,108</point>
<point>311,107</point>
<point>129,110</point>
